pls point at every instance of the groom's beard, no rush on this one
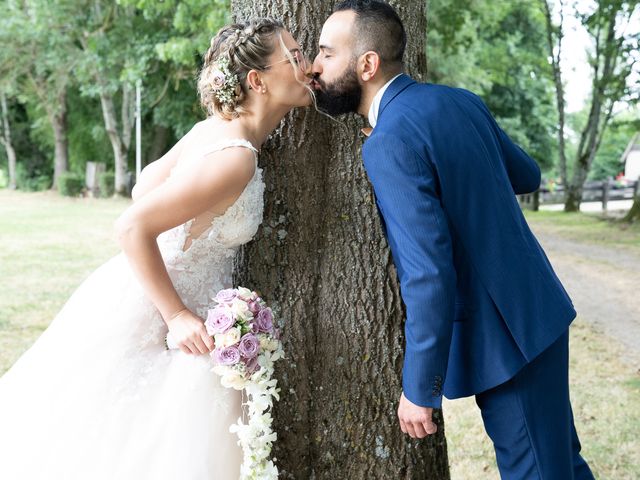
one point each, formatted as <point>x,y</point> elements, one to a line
<point>341,96</point>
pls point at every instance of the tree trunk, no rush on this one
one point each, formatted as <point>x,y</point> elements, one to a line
<point>608,86</point>
<point>159,143</point>
<point>5,139</point>
<point>633,215</point>
<point>554,45</point>
<point>322,262</point>
<point>59,125</point>
<point>573,198</point>
<point>120,150</point>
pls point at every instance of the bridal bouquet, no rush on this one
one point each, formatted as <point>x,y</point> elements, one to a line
<point>247,345</point>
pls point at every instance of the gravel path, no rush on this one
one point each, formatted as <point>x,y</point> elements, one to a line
<point>604,284</point>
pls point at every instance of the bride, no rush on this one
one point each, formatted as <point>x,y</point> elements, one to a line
<point>98,396</point>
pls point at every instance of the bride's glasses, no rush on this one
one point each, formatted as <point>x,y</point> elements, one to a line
<point>298,58</point>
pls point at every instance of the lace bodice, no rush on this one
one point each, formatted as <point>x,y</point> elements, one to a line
<point>201,266</point>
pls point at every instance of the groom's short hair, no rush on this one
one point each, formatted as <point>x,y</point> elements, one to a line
<point>378,28</point>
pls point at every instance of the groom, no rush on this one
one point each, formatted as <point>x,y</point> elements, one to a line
<point>486,314</point>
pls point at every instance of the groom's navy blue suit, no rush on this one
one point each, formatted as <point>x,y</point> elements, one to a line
<point>484,307</point>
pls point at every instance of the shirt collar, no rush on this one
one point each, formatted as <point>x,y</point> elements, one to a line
<point>375,104</point>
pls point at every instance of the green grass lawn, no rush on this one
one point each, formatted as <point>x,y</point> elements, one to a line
<point>50,244</point>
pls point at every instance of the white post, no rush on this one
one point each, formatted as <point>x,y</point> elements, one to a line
<point>138,131</point>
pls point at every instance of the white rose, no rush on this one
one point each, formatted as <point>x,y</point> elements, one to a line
<point>245,293</point>
<point>231,337</point>
<point>219,339</point>
<point>268,344</point>
<point>240,309</point>
<point>233,379</point>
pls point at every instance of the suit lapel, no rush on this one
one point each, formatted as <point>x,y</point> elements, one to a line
<point>397,86</point>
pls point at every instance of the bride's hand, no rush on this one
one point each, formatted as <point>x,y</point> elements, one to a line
<point>189,333</point>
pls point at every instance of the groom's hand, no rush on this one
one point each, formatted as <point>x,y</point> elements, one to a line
<point>414,419</point>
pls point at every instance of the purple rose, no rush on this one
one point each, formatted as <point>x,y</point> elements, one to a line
<point>219,320</point>
<point>264,321</point>
<point>252,365</point>
<point>226,356</point>
<point>218,80</point>
<point>254,306</point>
<point>226,296</point>
<point>249,345</point>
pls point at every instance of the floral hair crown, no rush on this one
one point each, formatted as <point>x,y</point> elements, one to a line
<point>224,82</point>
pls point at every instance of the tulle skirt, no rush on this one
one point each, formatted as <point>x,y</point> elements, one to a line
<point>98,397</point>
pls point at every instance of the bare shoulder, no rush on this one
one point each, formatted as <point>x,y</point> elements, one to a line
<point>230,169</point>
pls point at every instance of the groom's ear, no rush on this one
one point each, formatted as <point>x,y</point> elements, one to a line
<point>369,65</point>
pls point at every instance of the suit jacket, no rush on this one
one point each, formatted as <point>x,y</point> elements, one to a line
<point>481,298</point>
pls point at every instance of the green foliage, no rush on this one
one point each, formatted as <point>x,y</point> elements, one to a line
<point>190,24</point>
<point>70,184</point>
<point>4,178</point>
<point>106,184</point>
<point>88,139</point>
<point>34,169</point>
<point>87,47</point>
<point>33,180</point>
<point>497,50</point>
<point>616,138</point>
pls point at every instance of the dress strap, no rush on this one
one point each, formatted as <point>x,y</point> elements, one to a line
<point>227,143</point>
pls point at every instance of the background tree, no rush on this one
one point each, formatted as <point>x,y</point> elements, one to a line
<point>633,215</point>
<point>5,139</point>
<point>171,102</point>
<point>321,260</point>
<point>111,62</point>
<point>613,59</point>
<point>41,58</point>
<point>496,49</point>
<point>14,62</point>
<point>615,140</point>
<point>110,45</point>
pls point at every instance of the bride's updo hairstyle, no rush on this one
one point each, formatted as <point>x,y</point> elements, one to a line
<point>235,50</point>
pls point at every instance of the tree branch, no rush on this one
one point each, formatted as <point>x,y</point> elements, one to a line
<point>161,95</point>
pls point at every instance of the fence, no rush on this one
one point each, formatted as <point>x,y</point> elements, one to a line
<point>601,191</point>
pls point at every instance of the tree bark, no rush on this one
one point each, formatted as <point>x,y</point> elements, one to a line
<point>322,262</point>
<point>60,135</point>
<point>633,215</point>
<point>554,53</point>
<point>5,139</point>
<point>118,144</point>
<point>159,143</point>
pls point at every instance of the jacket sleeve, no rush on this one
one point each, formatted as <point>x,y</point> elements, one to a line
<point>405,187</point>
<point>523,171</point>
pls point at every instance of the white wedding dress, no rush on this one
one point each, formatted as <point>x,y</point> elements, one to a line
<point>97,397</point>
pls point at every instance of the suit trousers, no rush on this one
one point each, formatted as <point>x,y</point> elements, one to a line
<point>530,422</point>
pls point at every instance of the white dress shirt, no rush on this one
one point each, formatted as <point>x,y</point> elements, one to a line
<point>375,104</point>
